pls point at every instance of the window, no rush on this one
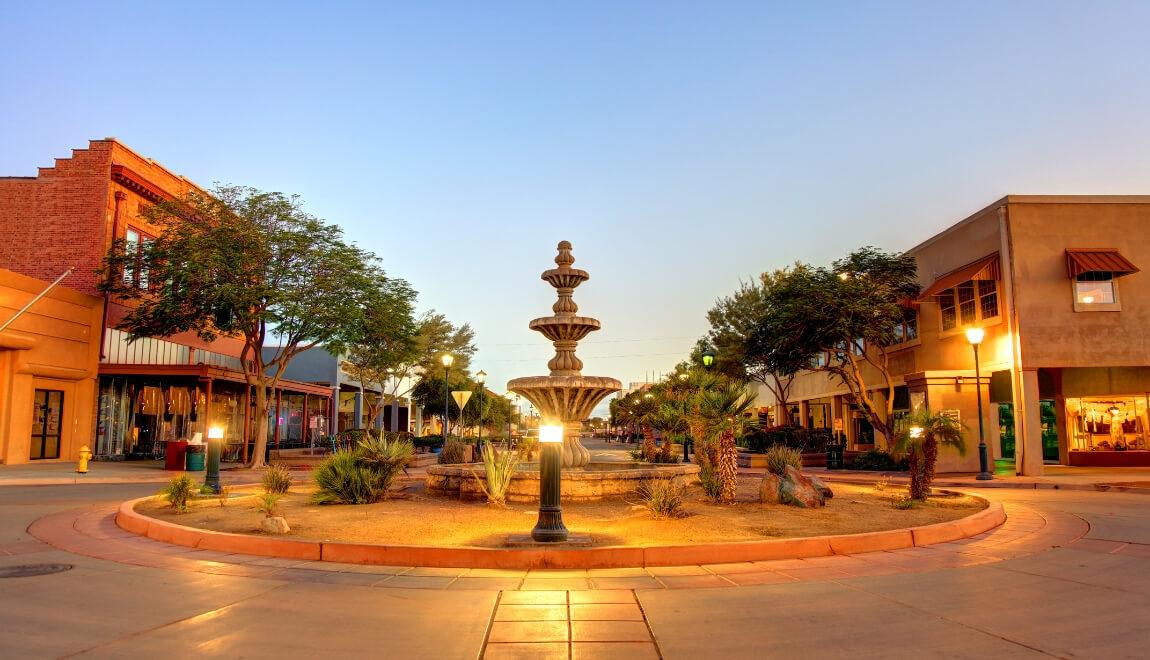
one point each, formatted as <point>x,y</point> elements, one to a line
<point>1094,288</point>
<point>969,303</point>
<point>907,330</point>
<point>134,245</point>
<point>819,360</point>
<point>858,347</point>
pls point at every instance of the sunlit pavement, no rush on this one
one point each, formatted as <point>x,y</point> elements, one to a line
<point>1068,575</point>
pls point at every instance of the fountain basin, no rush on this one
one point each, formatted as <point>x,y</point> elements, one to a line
<point>595,481</point>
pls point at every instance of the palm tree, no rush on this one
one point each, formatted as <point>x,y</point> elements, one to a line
<point>919,437</point>
<point>724,409</point>
<point>668,419</point>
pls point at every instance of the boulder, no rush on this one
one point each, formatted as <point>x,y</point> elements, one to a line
<point>275,525</point>
<point>797,490</point>
<point>821,487</point>
<point>769,490</point>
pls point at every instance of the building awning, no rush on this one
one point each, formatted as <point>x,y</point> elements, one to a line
<point>985,268</point>
<point>1097,260</point>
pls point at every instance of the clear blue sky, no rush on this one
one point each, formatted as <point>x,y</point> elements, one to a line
<point>680,146</point>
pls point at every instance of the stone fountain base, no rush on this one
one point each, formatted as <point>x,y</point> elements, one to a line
<point>596,481</point>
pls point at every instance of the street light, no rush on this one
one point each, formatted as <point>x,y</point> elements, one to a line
<point>448,359</point>
<point>708,358</point>
<point>215,448</point>
<point>974,336</point>
<point>479,378</point>
<point>549,527</point>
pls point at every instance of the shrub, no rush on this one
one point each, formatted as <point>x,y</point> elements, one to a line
<point>878,461</point>
<point>425,441</point>
<point>903,503</point>
<point>527,447</point>
<point>881,484</point>
<point>224,494</point>
<point>712,485</point>
<point>663,498</point>
<point>277,479</point>
<point>268,503</point>
<point>453,451</point>
<point>342,479</point>
<point>807,441</point>
<point>498,467</point>
<point>638,454</point>
<point>385,456</point>
<point>780,456</point>
<point>178,491</point>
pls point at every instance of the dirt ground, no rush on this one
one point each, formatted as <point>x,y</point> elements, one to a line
<point>413,518</point>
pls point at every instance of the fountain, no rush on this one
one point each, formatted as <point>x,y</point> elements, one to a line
<point>566,397</point>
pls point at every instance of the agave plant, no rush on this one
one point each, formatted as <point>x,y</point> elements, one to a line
<point>919,437</point>
<point>498,467</point>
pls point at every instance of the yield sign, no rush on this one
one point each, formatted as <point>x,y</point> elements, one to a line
<point>461,397</point>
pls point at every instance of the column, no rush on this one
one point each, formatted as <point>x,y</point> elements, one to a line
<point>781,416</point>
<point>804,414</point>
<point>358,414</point>
<point>418,419</point>
<point>1028,426</point>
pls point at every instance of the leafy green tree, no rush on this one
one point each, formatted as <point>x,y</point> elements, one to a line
<point>434,336</point>
<point>429,395</point>
<point>385,341</point>
<point>847,312</point>
<point>252,265</point>
<point>920,435</point>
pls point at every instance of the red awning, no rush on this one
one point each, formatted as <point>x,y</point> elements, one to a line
<point>1097,260</point>
<point>985,268</point>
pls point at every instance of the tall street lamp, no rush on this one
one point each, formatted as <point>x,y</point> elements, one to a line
<point>479,378</point>
<point>448,359</point>
<point>549,528</point>
<point>215,448</point>
<point>708,358</point>
<point>974,336</point>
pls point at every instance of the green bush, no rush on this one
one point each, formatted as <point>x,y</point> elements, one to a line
<point>877,460</point>
<point>362,476</point>
<point>807,441</point>
<point>277,479</point>
<point>454,451</point>
<point>709,480</point>
<point>178,491</point>
<point>527,448</point>
<point>268,503</point>
<point>780,456</point>
<point>663,498</point>
<point>427,441</point>
<point>498,467</point>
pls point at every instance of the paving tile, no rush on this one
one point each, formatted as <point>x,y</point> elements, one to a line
<point>1135,550</point>
<point>626,583</point>
<point>609,631</point>
<point>762,577</point>
<point>1095,545</point>
<point>533,598</point>
<point>614,651</point>
<point>431,571</point>
<point>536,631</point>
<point>556,573</point>
<point>565,584</point>
<point>728,569</point>
<point>492,583</point>
<point>606,612</point>
<point>617,572</point>
<point>660,571</point>
<point>415,582</point>
<point>495,572</point>
<point>507,612</point>
<point>695,581</point>
<point>603,596</point>
<point>815,573</point>
<point>526,651</point>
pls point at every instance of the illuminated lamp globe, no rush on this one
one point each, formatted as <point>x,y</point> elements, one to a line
<point>975,335</point>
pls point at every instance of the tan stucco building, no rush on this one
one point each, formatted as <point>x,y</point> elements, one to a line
<point>1054,282</point>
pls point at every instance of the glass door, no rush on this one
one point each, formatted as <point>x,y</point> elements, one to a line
<point>47,420</point>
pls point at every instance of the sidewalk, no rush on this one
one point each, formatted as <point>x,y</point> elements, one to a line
<point>1056,477</point>
<point>110,472</point>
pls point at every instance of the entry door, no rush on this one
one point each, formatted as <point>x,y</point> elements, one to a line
<point>47,419</point>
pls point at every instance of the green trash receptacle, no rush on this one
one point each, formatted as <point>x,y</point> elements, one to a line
<point>195,458</point>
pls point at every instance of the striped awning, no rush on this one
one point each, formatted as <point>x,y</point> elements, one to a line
<point>1097,260</point>
<point>985,268</point>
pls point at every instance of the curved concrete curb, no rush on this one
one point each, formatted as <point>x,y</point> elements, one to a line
<point>533,558</point>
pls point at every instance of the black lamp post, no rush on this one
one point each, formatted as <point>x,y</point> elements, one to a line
<point>447,361</point>
<point>974,336</point>
<point>708,358</point>
<point>479,378</point>
<point>549,528</point>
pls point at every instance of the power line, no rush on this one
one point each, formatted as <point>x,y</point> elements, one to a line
<point>587,342</point>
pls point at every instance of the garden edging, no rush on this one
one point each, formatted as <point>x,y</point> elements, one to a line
<point>985,520</point>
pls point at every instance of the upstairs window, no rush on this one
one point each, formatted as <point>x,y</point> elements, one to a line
<point>907,330</point>
<point>1094,288</point>
<point>1094,273</point>
<point>135,243</point>
<point>969,303</point>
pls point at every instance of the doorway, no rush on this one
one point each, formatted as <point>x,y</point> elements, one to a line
<point>47,420</point>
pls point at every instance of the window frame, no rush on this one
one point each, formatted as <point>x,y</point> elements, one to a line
<point>136,274</point>
<point>1079,306</point>
<point>979,320</point>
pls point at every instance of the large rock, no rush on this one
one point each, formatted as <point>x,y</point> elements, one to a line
<point>797,490</point>
<point>275,525</point>
<point>821,487</point>
<point>769,489</point>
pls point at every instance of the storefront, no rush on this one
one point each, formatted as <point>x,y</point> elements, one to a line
<point>1108,430</point>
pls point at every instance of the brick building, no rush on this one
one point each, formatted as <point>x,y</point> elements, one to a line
<point>152,390</point>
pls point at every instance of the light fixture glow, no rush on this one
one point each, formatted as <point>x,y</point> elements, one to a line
<point>215,433</point>
<point>447,359</point>
<point>916,431</point>
<point>1088,299</point>
<point>975,335</point>
<point>550,433</point>
<point>481,377</point>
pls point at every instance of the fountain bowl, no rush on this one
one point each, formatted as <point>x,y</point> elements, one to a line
<point>595,481</point>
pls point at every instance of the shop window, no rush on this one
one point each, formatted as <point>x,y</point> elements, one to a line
<point>135,243</point>
<point>969,303</point>
<point>1095,288</point>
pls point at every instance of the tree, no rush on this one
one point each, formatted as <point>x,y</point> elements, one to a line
<point>847,313</point>
<point>724,409</point>
<point>252,265</point>
<point>429,394</point>
<point>385,340</point>
<point>920,436</point>
<point>434,336</point>
<point>734,320</point>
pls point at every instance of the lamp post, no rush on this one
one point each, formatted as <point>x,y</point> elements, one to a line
<point>974,336</point>
<point>479,378</point>
<point>215,448</point>
<point>708,358</point>
<point>447,361</point>
<point>549,527</point>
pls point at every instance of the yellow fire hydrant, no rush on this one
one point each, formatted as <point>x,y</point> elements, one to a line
<point>85,456</point>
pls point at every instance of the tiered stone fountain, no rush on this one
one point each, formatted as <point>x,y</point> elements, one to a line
<point>565,397</point>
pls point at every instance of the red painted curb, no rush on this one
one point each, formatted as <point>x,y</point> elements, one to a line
<point>570,558</point>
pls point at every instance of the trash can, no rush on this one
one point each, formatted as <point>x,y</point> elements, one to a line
<point>835,456</point>
<point>174,454</point>
<point>195,462</point>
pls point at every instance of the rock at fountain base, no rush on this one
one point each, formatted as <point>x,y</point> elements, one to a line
<point>525,541</point>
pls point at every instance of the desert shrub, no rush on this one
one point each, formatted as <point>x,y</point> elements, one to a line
<point>904,502</point>
<point>527,447</point>
<point>385,456</point>
<point>498,467</point>
<point>277,479</point>
<point>268,503</point>
<point>710,482</point>
<point>638,454</point>
<point>454,451</point>
<point>667,458</point>
<point>878,461</point>
<point>343,479</point>
<point>224,494</point>
<point>881,484</point>
<point>663,498</point>
<point>780,456</point>
<point>178,491</point>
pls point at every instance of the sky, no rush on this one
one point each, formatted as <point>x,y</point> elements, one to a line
<point>680,146</point>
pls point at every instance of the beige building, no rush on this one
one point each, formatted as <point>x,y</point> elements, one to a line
<point>1054,282</point>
